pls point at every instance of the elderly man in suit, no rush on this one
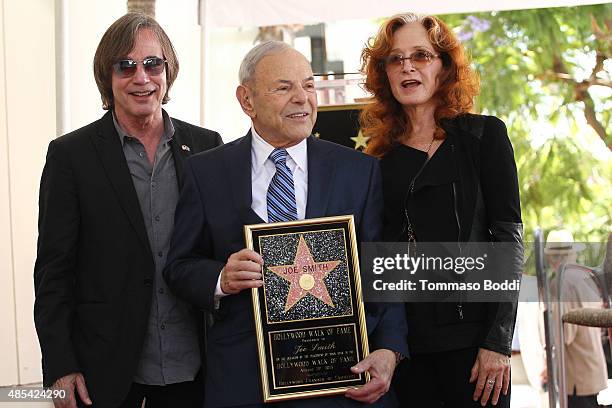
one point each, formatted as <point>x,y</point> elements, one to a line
<point>208,264</point>
<point>110,331</point>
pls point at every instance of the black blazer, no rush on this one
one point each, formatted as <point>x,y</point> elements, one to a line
<point>94,267</point>
<point>209,224</point>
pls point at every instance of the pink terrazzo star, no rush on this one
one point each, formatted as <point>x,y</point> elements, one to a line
<point>305,276</point>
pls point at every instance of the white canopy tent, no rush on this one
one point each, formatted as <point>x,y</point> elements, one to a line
<point>255,13</point>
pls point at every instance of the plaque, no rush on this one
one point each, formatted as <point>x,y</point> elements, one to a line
<point>309,316</point>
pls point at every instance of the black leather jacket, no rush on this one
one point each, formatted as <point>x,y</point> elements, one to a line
<point>487,208</point>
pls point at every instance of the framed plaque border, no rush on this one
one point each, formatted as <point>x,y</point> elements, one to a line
<point>308,226</point>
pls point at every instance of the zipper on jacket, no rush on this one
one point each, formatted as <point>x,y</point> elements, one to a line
<point>454,184</point>
<point>455,207</point>
<point>457,216</point>
<point>459,305</point>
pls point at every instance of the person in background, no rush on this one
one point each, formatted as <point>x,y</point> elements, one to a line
<point>585,364</point>
<point>111,333</point>
<point>448,176</point>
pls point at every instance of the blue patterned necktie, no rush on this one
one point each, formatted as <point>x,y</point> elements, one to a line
<point>281,191</point>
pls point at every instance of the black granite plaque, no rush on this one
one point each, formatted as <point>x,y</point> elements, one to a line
<point>309,314</point>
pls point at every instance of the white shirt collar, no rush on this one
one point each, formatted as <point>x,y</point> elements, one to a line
<point>262,149</point>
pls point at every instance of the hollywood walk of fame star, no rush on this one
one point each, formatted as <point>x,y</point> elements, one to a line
<point>360,140</point>
<point>305,276</point>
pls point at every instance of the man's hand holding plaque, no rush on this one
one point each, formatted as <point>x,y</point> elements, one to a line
<point>242,271</point>
<point>380,364</point>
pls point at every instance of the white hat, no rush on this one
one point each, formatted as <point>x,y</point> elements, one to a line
<point>561,242</point>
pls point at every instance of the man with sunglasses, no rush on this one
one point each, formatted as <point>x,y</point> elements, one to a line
<point>110,331</point>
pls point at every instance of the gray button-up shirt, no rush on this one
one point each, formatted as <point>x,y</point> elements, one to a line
<point>171,352</point>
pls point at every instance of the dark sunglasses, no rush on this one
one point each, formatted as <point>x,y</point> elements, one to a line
<point>152,66</point>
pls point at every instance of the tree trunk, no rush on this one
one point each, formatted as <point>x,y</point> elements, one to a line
<point>142,6</point>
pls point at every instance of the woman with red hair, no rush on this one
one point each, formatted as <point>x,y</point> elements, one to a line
<point>448,176</point>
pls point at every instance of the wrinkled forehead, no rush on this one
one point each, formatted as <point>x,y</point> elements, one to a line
<point>287,65</point>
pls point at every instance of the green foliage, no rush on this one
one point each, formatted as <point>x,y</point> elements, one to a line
<point>530,62</point>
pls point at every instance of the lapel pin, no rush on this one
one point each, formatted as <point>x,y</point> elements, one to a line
<point>186,148</point>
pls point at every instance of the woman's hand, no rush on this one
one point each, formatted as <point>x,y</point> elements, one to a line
<point>492,370</point>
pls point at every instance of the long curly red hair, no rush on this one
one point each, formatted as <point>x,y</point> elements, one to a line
<point>384,120</point>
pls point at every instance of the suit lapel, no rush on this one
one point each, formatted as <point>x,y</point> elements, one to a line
<point>237,162</point>
<point>110,151</point>
<point>182,147</point>
<point>321,168</point>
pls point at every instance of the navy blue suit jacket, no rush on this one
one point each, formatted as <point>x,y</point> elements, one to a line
<point>215,204</point>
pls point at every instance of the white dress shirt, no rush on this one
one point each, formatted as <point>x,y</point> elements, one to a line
<point>262,171</point>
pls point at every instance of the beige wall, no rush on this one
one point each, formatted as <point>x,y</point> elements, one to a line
<point>8,339</point>
<point>180,21</point>
<point>226,48</point>
<point>29,123</point>
<point>87,21</point>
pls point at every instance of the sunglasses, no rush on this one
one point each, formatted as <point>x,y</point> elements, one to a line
<point>152,66</point>
<point>419,59</point>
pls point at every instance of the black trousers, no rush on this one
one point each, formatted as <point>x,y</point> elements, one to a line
<point>188,394</point>
<point>582,401</point>
<point>440,380</point>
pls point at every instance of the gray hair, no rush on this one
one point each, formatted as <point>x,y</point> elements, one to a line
<point>250,61</point>
<point>409,17</point>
